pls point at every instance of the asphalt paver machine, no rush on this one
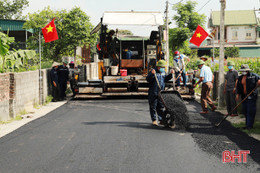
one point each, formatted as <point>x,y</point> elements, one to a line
<point>121,73</point>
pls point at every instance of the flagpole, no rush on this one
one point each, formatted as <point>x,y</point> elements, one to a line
<point>40,78</point>
<point>213,45</point>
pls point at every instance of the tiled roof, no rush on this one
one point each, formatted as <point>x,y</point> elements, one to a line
<point>238,17</point>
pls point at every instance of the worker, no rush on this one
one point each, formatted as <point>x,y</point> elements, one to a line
<point>204,58</point>
<point>63,74</point>
<point>246,83</point>
<point>54,82</point>
<point>111,48</point>
<point>230,88</point>
<point>155,103</point>
<point>73,77</point>
<point>128,53</point>
<point>197,74</point>
<point>179,66</point>
<point>225,60</point>
<point>207,77</point>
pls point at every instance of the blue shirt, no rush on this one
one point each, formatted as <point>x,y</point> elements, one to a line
<point>206,73</point>
<point>128,54</point>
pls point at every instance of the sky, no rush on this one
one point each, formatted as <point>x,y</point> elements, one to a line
<point>95,8</point>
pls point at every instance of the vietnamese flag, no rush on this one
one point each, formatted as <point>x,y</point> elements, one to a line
<point>49,32</point>
<point>199,36</point>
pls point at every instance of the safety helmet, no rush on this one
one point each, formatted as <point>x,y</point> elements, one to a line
<point>230,63</point>
<point>200,62</point>
<point>176,53</point>
<point>161,63</point>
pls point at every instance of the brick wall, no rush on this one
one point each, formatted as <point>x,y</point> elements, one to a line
<point>4,96</point>
<point>20,91</point>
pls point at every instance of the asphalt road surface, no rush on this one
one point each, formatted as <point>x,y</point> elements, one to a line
<point>116,136</point>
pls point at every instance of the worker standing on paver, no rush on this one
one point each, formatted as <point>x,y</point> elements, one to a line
<point>207,78</point>
<point>73,77</point>
<point>246,83</point>
<point>155,103</point>
<point>230,88</point>
<point>63,75</point>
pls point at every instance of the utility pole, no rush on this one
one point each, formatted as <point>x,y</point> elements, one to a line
<point>167,35</point>
<point>221,55</point>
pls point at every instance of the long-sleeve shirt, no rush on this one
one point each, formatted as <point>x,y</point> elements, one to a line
<point>153,86</point>
<point>179,63</point>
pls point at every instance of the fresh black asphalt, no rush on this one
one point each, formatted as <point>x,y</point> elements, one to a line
<point>116,135</point>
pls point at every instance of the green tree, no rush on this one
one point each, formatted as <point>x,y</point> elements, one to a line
<point>229,52</point>
<point>12,9</point>
<point>232,51</point>
<point>73,29</point>
<point>12,60</point>
<point>216,52</point>
<point>187,21</point>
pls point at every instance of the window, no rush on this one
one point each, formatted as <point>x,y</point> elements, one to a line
<point>248,33</point>
<point>234,33</point>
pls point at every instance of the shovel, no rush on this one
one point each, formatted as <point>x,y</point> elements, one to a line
<point>173,113</point>
<point>217,125</point>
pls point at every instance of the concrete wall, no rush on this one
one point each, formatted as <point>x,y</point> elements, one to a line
<point>4,96</point>
<point>21,91</point>
<point>27,90</point>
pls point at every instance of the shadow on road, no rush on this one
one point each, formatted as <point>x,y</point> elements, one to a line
<point>131,125</point>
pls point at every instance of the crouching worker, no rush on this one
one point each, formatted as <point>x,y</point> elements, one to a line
<point>155,104</point>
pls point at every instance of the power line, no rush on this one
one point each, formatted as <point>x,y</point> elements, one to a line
<point>204,5</point>
<point>176,3</point>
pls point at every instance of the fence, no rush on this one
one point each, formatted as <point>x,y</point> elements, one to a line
<point>21,91</point>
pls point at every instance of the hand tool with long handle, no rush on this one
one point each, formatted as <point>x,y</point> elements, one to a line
<point>217,125</point>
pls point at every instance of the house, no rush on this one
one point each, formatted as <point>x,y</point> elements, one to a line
<point>242,30</point>
<point>14,28</point>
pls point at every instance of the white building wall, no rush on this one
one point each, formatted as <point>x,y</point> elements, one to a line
<point>243,34</point>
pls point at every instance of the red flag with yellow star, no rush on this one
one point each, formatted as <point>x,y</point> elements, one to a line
<point>199,36</point>
<point>49,32</point>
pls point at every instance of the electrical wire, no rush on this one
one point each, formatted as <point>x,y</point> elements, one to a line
<point>176,3</point>
<point>204,5</point>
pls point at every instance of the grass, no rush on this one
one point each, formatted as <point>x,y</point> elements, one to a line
<point>36,106</point>
<point>24,112</point>
<point>17,118</point>
<point>48,100</point>
<point>255,130</point>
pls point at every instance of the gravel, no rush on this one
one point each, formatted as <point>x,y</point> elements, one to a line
<point>216,140</point>
<point>176,108</point>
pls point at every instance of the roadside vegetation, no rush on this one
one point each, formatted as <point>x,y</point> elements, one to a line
<point>255,130</point>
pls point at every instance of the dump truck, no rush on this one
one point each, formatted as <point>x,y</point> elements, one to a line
<point>124,60</point>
